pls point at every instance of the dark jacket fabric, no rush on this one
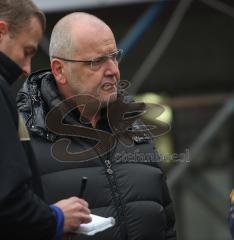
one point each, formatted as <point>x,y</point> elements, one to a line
<point>23,215</point>
<point>124,178</point>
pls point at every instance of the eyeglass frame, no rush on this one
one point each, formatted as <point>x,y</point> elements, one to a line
<point>104,58</point>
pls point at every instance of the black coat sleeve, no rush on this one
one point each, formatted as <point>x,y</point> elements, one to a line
<point>22,213</point>
<point>167,204</point>
<point>169,212</point>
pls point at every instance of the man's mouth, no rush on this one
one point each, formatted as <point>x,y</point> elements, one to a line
<point>109,87</point>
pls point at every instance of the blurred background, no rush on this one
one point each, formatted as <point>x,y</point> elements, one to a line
<point>179,54</point>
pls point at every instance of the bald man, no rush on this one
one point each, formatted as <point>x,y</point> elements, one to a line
<point>74,113</point>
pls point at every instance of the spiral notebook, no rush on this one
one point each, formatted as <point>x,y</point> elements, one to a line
<point>98,224</point>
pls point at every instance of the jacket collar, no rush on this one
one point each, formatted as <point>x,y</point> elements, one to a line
<point>40,94</point>
<point>9,69</point>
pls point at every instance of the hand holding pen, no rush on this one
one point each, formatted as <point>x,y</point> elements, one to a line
<point>75,209</point>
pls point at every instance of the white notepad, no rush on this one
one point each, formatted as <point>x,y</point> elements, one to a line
<point>98,224</point>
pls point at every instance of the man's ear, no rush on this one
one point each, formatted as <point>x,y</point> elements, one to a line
<point>3,29</point>
<point>57,67</point>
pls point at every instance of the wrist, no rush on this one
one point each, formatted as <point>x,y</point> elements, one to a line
<point>60,221</point>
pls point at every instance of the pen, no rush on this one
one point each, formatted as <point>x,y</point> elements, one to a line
<point>83,186</point>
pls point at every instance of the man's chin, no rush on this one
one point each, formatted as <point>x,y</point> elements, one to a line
<point>108,100</point>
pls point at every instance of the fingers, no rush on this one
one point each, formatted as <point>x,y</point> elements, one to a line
<point>83,202</point>
<point>74,204</point>
<point>75,211</point>
<point>84,218</point>
<point>81,208</point>
<point>76,199</point>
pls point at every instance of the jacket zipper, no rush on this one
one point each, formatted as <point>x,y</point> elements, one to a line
<point>117,198</point>
<point>108,167</point>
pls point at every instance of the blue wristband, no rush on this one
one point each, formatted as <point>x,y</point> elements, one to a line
<point>60,221</point>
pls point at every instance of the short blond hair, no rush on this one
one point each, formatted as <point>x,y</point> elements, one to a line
<point>17,14</point>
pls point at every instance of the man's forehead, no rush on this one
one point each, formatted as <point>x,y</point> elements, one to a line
<point>90,35</point>
<point>88,30</point>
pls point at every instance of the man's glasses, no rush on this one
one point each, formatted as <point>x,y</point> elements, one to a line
<point>96,63</point>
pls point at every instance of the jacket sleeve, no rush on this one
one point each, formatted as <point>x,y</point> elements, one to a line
<point>166,203</point>
<point>22,213</point>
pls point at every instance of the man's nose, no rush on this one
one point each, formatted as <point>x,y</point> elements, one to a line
<point>112,67</point>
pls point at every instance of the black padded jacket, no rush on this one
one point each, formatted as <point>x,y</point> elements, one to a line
<point>124,179</point>
<point>23,214</point>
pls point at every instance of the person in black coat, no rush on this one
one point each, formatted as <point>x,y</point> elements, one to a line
<point>23,212</point>
<point>83,124</point>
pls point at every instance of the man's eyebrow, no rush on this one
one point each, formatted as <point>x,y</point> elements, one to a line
<point>106,55</point>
